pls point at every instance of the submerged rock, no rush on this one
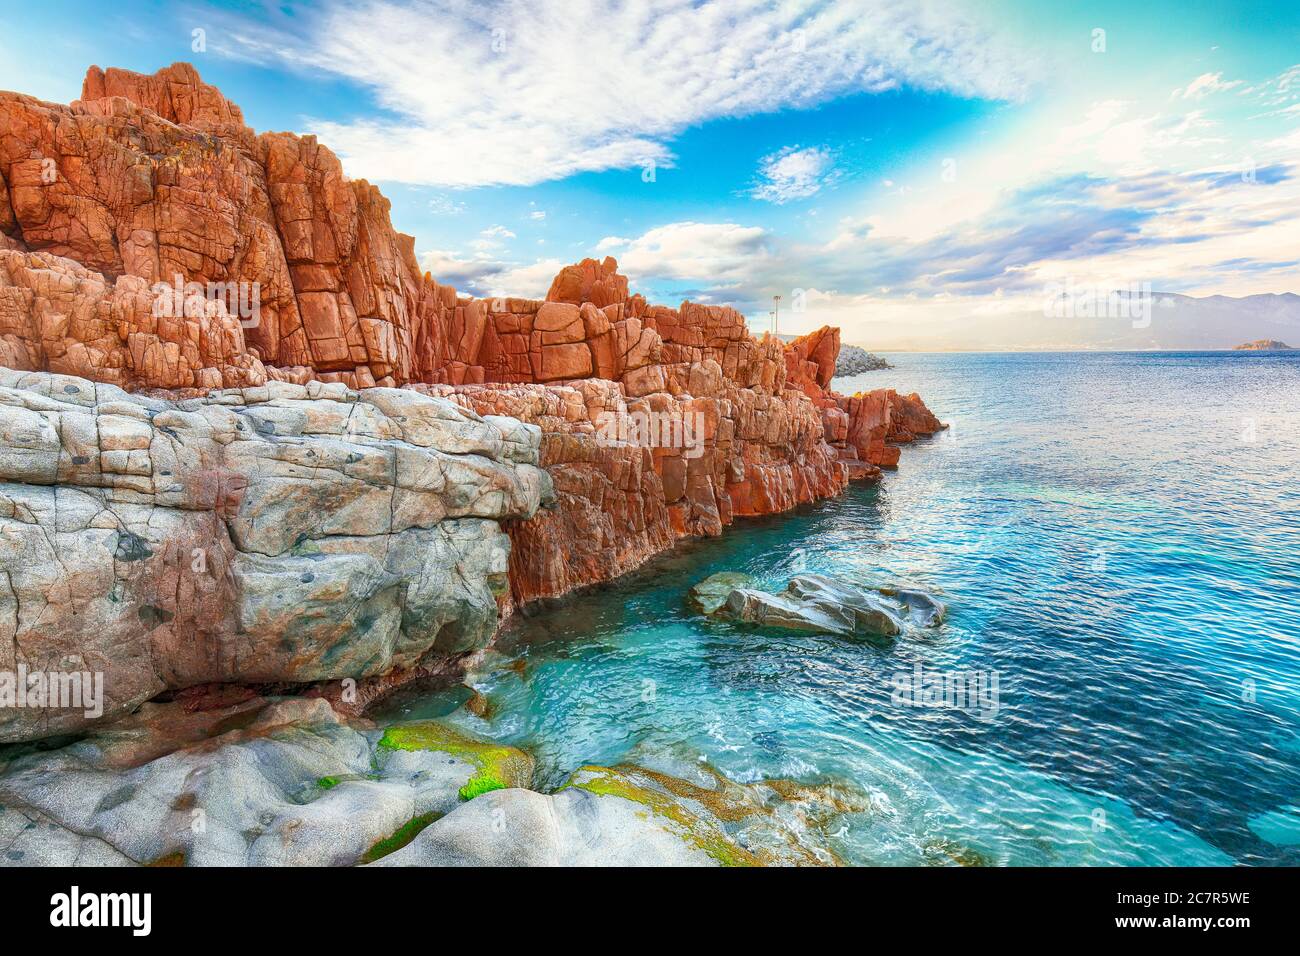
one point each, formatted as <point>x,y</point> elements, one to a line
<point>925,610</point>
<point>823,605</point>
<point>1281,827</point>
<point>635,816</point>
<point>711,593</point>
<point>775,822</point>
<point>572,828</point>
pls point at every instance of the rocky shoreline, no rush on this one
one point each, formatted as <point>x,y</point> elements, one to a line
<point>854,361</point>
<point>230,517</point>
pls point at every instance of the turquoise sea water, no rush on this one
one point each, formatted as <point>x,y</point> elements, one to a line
<point>1118,538</point>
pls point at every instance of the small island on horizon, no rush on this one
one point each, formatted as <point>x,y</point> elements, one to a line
<point>1263,345</point>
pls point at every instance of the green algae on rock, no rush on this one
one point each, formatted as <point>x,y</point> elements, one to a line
<point>404,835</point>
<point>777,822</point>
<point>497,766</point>
<point>571,828</point>
<point>622,783</point>
<point>288,783</point>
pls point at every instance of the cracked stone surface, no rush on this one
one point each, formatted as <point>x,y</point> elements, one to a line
<point>287,532</point>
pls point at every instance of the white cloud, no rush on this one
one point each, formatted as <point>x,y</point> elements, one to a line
<point>484,276</point>
<point>794,173</point>
<point>1204,85</point>
<point>491,239</point>
<point>713,253</point>
<point>1280,90</point>
<point>527,282</point>
<point>527,91</point>
<point>446,206</point>
<point>1188,231</point>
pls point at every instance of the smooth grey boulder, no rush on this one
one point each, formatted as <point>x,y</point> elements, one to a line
<point>571,828</point>
<point>820,604</point>
<point>870,614</point>
<point>785,612</point>
<point>925,610</point>
<point>283,533</point>
<point>263,783</point>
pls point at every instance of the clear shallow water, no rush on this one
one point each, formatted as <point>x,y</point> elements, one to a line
<point>1118,538</point>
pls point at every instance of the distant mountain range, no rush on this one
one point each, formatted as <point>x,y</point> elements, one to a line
<point>1172,321</point>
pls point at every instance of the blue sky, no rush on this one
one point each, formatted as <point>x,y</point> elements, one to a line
<point>886,168</point>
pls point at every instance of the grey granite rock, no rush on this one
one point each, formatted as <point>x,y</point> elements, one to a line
<point>711,593</point>
<point>281,533</point>
<point>278,782</point>
<point>820,604</point>
<point>570,828</point>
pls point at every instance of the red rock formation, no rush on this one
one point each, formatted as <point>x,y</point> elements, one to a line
<point>658,423</point>
<point>812,356</point>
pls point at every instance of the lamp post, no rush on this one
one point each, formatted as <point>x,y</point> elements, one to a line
<point>776,315</point>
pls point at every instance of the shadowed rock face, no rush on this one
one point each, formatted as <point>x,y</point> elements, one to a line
<point>281,533</point>
<point>652,423</point>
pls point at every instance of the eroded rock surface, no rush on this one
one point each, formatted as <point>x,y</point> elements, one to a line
<point>280,782</point>
<point>287,782</point>
<point>280,533</point>
<point>686,814</point>
<point>823,605</point>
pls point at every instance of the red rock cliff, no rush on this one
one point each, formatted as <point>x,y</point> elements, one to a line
<point>658,423</point>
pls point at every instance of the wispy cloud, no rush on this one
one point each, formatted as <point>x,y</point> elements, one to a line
<point>483,274</point>
<point>715,254</point>
<point>1205,85</point>
<point>526,91</point>
<point>794,173</point>
<point>1165,227</point>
